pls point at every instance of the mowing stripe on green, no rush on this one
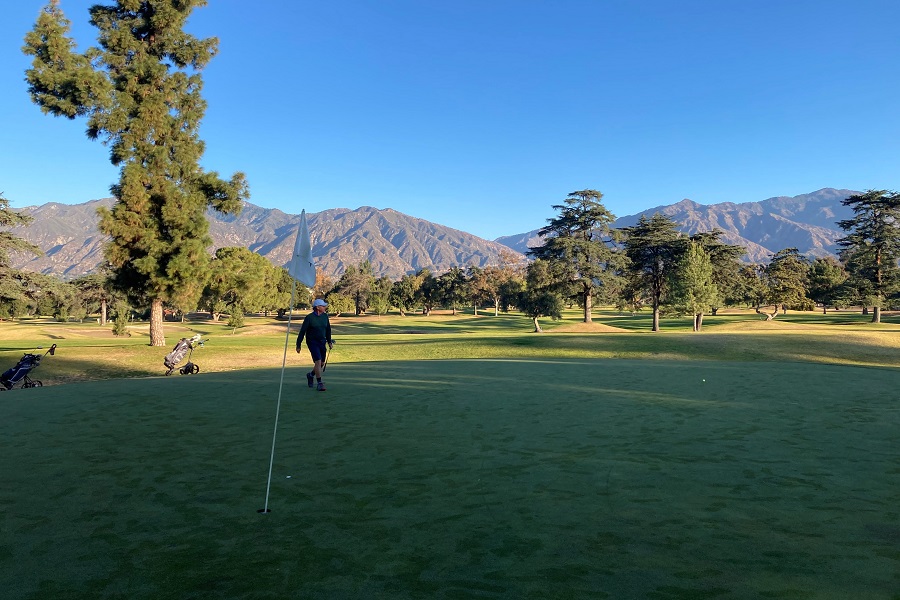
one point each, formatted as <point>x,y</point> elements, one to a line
<point>459,479</point>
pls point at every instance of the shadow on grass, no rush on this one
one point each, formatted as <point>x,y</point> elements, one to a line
<point>803,347</point>
<point>458,479</point>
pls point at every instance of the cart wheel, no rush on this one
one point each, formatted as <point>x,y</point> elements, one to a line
<point>37,383</point>
<point>196,369</point>
<point>169,372</point>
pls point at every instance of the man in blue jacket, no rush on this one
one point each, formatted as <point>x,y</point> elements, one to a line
<point>316,329</point>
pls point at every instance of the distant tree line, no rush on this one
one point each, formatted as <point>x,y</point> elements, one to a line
<point>140,89</point>
<point>582,262</point>
<point>652,264</point>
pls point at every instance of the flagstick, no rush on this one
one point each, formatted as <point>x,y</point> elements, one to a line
<point>287,337</point>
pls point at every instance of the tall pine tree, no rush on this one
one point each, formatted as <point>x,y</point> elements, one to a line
<point>691,285</point>
<point>871,247</point>
<point>579,243</point>
<point>654,247</point>
<point>787,278</point>
<point>8,241</point>
<point>140,91</point>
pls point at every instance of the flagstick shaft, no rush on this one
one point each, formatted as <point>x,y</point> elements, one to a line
<point>287,337</point>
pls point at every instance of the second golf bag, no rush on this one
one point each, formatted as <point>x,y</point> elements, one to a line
<point>185,346</point>
<point>19,373</point>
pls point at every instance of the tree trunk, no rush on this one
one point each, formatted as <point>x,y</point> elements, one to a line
<point>876,314</point>
<point>698,321</point>
<point>103,312</point>
<point>865,310</point>
<point>771,317</point>
<point>824,310</point>
<point>715,311</point>
<point>475,308</point>
<point>655,318</point>
<point>587,306</point>
<point>496,307</point>
<point>537,327</point>
<point>157,335</point>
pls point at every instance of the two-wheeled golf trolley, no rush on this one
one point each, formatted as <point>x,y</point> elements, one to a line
<point>19,374</point>
<point>184,346</point>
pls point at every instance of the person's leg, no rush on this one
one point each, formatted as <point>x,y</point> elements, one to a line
<point>317,352</point>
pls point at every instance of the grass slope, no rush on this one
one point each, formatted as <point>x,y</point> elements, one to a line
<point>459,457</point>
<point>89,352</point>
<point>458,479</point>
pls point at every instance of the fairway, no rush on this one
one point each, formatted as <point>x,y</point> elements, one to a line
<point>562,478</point>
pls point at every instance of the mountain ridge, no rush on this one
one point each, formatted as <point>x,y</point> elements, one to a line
<point>393,242</point>
<point>807,222</point>
<point>396,243</point>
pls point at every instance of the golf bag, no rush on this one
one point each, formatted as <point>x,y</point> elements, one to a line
<point>185,346</point>
<point>19,373</point>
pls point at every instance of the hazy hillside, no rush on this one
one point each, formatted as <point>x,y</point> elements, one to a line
<point>395,243</point>
<point>807,222</point>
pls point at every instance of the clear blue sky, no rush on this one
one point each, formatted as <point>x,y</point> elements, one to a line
<point>480,114</point>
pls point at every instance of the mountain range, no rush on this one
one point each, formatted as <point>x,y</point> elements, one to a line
<point>393,242</point>
<point>396,243</point>
<point>807,222</point>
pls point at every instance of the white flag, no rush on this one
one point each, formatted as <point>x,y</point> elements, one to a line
<point>302,267</point>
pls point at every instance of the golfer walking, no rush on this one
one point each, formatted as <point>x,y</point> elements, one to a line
<point>316,329</point>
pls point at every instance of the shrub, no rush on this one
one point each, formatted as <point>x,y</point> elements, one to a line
<point>379,305</point>
<point>236,318</point>
<point>120,322</point>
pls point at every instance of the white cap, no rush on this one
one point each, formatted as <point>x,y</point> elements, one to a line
<point>319,302</point>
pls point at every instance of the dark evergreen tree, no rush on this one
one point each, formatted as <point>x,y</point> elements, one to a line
<point>653,246</point>
<point>356,283</point>
<point>871,247</point>
<point>140,91</point>
<point>826,282</point>
<point>580,241</point>
<point>95,293</point>
<point>693,290</point>
<point>453,288</point>
<point>428,294</point>
<point>8,241</point>
<point>14,301</point>
<point>787,279</point>
<point>726,264</point>
<point>379,298</point>
<point>751,287</point>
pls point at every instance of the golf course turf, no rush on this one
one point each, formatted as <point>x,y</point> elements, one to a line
<point>516,478</point>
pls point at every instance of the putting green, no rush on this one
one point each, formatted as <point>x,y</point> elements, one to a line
<point>458,479</point>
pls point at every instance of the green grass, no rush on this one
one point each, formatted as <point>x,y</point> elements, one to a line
<point>88,351</point>
<point>753,460</point>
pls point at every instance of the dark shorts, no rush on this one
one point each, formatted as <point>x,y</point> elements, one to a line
<point>317,350</point>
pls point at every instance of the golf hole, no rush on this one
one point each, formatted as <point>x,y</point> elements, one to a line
<point>264,510</point>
